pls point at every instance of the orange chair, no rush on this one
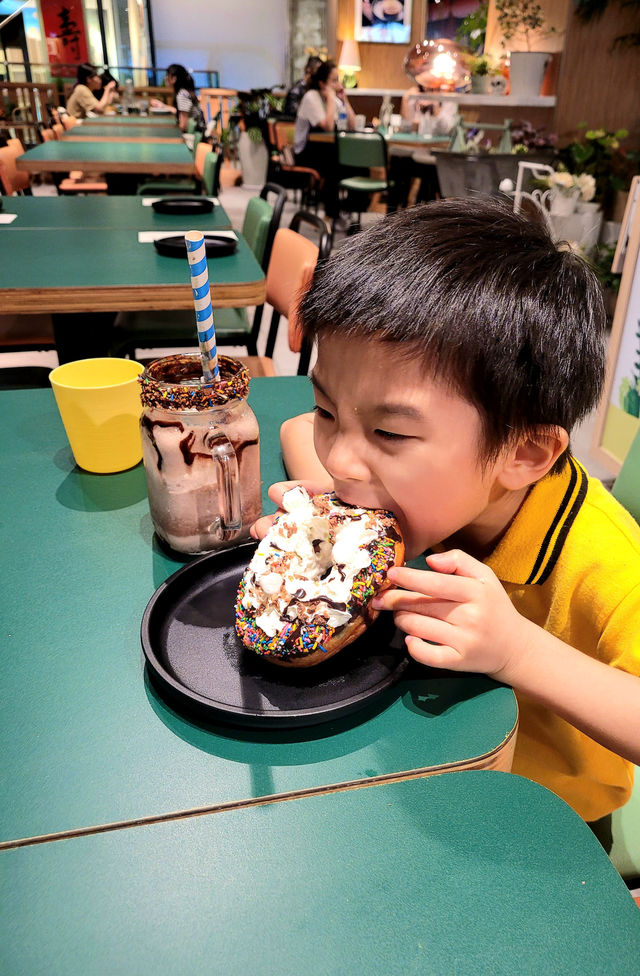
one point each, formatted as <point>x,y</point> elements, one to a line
<point>47,135</point>
<point>12,179</point>
<point>58,128</point>
<point>291,266</point>
<point>68,121</point>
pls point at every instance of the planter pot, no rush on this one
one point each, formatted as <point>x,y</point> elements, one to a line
<point>527,71</point>
<point>254,160</point>
<point>481,84</point>
<point>563,204</point>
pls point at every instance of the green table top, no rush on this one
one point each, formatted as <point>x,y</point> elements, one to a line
<point>86,740</point>
<point>110,213</point>
<point>157,118</point>
<point>468,873</point>
<point>168,131</point>
<point>109,258</point>
<point>104,154</point>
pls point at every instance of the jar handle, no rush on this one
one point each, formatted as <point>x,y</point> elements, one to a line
<point>226,463</point>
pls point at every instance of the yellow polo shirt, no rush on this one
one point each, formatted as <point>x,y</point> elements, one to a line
<point>570,562</point>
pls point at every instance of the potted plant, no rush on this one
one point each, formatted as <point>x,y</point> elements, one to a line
<point>251,117</point>
<point>483,70</point>
<point>522,23</point>
<point>600,154</point>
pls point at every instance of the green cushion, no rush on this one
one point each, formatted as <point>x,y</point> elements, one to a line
<point>365,184</point>
<point>166,186</point>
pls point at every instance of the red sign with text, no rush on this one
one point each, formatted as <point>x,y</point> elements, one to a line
<point>65,33</point>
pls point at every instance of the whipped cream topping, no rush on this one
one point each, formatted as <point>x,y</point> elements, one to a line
<point>306,564</point>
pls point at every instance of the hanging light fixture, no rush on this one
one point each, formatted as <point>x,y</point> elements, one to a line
<point>438,65</point>
<point>349,63</point>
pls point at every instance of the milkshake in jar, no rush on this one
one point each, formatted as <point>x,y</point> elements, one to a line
<point>201,452</point>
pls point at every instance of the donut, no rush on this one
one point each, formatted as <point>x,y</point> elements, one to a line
<point>307,591</point>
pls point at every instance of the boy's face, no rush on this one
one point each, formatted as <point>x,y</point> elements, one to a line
<point>392,437</point>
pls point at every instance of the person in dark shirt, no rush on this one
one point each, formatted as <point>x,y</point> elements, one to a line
<point>294,95</point>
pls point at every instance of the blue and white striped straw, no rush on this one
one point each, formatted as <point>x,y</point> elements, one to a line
<point>197,257</point>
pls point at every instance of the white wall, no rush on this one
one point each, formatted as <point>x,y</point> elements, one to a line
<point>245,40</point>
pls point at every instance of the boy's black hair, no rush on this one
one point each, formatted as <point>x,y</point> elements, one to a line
<point>488,302</point>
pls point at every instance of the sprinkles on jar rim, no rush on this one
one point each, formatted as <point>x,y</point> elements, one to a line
<point>175,382</point>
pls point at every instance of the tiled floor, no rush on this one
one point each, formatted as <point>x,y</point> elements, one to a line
<point>234,200</point>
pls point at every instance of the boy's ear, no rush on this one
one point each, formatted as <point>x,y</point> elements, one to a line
<point>533,457</point>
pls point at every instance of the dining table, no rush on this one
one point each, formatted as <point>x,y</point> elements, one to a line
<point>168,133</point>
<point>93,741</point>
<point>102,266</point>
<point>467,873</point>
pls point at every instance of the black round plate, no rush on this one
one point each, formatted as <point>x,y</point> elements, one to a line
<point>183,205</point>
<point>216,247</point>
<point>199,664</point>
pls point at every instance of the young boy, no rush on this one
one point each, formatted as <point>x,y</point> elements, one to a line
<point>457,348</point>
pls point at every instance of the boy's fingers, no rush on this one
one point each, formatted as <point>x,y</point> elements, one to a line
<point>457,562</point>
<point>260,528</point>
<point>433,655</point>
<point>439,585</point>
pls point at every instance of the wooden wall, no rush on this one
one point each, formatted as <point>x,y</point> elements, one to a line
<point>597,85</point>
<point>381,63</point>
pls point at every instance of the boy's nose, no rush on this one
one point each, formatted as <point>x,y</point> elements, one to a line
<point>344,463</point>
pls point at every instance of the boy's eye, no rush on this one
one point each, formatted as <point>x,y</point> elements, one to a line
<point>388,435</point>
<point>321,412</point>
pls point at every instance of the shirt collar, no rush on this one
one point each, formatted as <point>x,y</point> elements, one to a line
<point>530,548</point>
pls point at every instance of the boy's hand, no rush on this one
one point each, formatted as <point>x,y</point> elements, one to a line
<point>260,528</point>
<point>461,607</point>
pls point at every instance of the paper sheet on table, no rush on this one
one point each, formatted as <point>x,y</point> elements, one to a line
<point>149,236</point>
<point>147,201</point>
<point>7,218</point>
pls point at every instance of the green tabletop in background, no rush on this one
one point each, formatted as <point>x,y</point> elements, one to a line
<point>156,118</point>
<point>107,155</point>
<point>168,131</point>
<point>475,874</point>
<point>102,212</point>
<point>110,258</point>
<point>86,739</point>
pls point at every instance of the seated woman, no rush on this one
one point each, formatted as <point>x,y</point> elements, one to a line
<point>186,105</point>
<point>319,109</point>
<point>82,102</point>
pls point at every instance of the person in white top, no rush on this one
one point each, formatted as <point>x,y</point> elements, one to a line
<point>320,108</point>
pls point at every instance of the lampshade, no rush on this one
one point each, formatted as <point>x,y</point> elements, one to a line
<point>349,59</point>
<point>438,65</point>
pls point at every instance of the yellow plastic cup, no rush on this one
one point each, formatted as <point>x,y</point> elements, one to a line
<point>99,402</point>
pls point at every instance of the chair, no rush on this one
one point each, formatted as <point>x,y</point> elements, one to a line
<point>211,173</point>
<point>58,128</point>
<point>12,179</point>
<point>359,151</point>
<point>304,179</point>
<point>68,121</point>
<point>217,104</point>
<point>233,328</point>
<point>168,186</point>
<point>293,261</point>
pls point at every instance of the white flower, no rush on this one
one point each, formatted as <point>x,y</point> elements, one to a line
<point>587,186</point>
<point>564,181</point>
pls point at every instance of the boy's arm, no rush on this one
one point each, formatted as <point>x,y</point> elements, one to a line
<point>463,609</point>
<point>298,452</point>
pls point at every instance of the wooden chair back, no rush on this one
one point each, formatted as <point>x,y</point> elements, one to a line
<point>217,105</point>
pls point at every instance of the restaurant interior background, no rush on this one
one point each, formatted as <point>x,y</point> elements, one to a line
<point>263,44</point>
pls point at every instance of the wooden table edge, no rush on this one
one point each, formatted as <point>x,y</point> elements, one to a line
<point>499,759</point>
<point>16,301</point>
